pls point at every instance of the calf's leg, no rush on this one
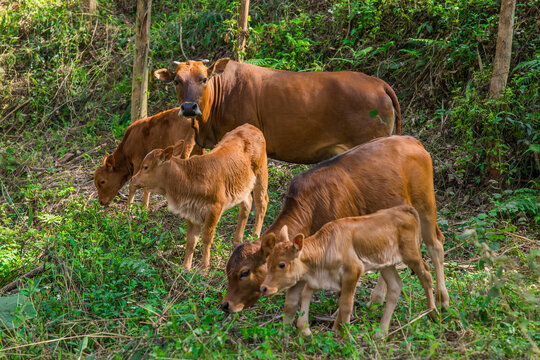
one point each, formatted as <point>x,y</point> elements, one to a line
<point>421,269</point>
<point>260,197</point>
<point>378,293</point>
<point>243,213</point>
<point>393,281</point>
<point>346,298</point>
<point>193,231</point>
<point>303,321</point>
<point>210,224</point>
<point>131,194</point>
<point>292,300</point>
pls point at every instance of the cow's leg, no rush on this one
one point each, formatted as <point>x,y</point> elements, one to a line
<point>378,293</point>
<point>349,280</point>
<point>394,284</point>
<point>146,198</point>
<point>303,321</point>
<point>193,231</point>
<point>434,240</point>
<point>260,197</point>
<point>243,213</point>
<point>209,226</point>
<point>292,300</point>
<point>421,269</point>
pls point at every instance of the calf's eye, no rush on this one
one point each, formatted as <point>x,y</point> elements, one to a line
<point>145,167</point>
<point>102,182</point>
<point>244,273</point>
<point>282,265</point>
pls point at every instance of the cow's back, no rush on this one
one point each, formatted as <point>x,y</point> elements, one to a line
<point>383,173</point>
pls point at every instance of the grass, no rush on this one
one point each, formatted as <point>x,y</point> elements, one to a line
<point>112,285</point>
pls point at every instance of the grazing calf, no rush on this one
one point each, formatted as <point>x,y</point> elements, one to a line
<point>201,188</point>
<point>339,253</point>
<point>141,137</point>
<point>380,174</point>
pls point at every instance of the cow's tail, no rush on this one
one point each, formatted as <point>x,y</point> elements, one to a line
<point>390,92</point>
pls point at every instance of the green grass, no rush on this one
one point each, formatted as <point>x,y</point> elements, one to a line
<point>113,285</point>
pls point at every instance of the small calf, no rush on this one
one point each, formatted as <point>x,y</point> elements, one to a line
<point>141,137</point>
<point>201,188</point>
<point>337,255</point>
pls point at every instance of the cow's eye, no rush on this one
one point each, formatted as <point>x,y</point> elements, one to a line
<point>282,265</point>
<point>102,182</point>
<point>244,273</point>
<point>176,81</point>
<point>204,80</point>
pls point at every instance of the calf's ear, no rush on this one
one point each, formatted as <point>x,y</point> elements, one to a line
<point>166,154</point>
<point>298,242</point>
<point>267,244</point>
<point>179,149</point>
<point>108,161</point>
<point>218,67</point>
<point>164,75</point>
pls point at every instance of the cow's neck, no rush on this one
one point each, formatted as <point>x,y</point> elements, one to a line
<point>212,113</point>
<point>297,217</point>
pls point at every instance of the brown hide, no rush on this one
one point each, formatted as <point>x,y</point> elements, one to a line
<point>202,187</point>
<point>305,117</point>
<point>383,173</point>
<point>339,253</point>
<point>141,137</point>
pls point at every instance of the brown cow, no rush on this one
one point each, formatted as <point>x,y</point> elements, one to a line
<point>305,117</point>
<point>140,138</point>
<point>339,253</point>
<point>201,188</point>
<point>383,173</point>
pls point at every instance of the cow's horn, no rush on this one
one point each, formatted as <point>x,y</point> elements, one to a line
<point>176,63</point>
<point>205,61</point>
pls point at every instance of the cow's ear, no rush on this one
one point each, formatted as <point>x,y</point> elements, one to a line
<point>267,244</point>
<point>109,162</point>
<point>179,149</point>
<point>298,242</point>
<point>218,67</point>
<point>164,75</point>
<point>167,153</point>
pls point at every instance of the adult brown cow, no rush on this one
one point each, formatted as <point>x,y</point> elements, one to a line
<point>305,117</point>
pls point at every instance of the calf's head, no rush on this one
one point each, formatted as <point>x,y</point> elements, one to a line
<point>191,80</point>
<point>284,267</point>
<point>246,270</point>
<point>109,179</point>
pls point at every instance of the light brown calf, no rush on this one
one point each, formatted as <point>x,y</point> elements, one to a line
<point>339,253</point>
<point>201,188</point>
<point>144,135</point>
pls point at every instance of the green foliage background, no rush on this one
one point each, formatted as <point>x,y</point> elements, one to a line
<point>111,285</point>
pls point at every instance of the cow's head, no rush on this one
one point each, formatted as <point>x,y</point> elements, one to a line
<point>246,270</point>
<point>284,267</point>
<point>191,80</point>
<point>109,179</point>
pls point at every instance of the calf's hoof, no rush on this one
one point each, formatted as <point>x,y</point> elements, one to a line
<point>306,331</point>
<point>379,335</point>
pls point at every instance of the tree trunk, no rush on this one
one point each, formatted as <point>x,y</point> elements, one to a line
<point>503,52</point>
<point>242,32</point>
<point>90,5</point>
<point>139,84</point>
<point>499,77</point>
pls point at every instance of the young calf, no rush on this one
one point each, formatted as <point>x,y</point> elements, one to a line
<point>201,188</point>
<point>141,137</point>
<point>339,253</point>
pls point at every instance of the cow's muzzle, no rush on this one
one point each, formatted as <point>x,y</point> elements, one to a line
<point>190,109</point>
